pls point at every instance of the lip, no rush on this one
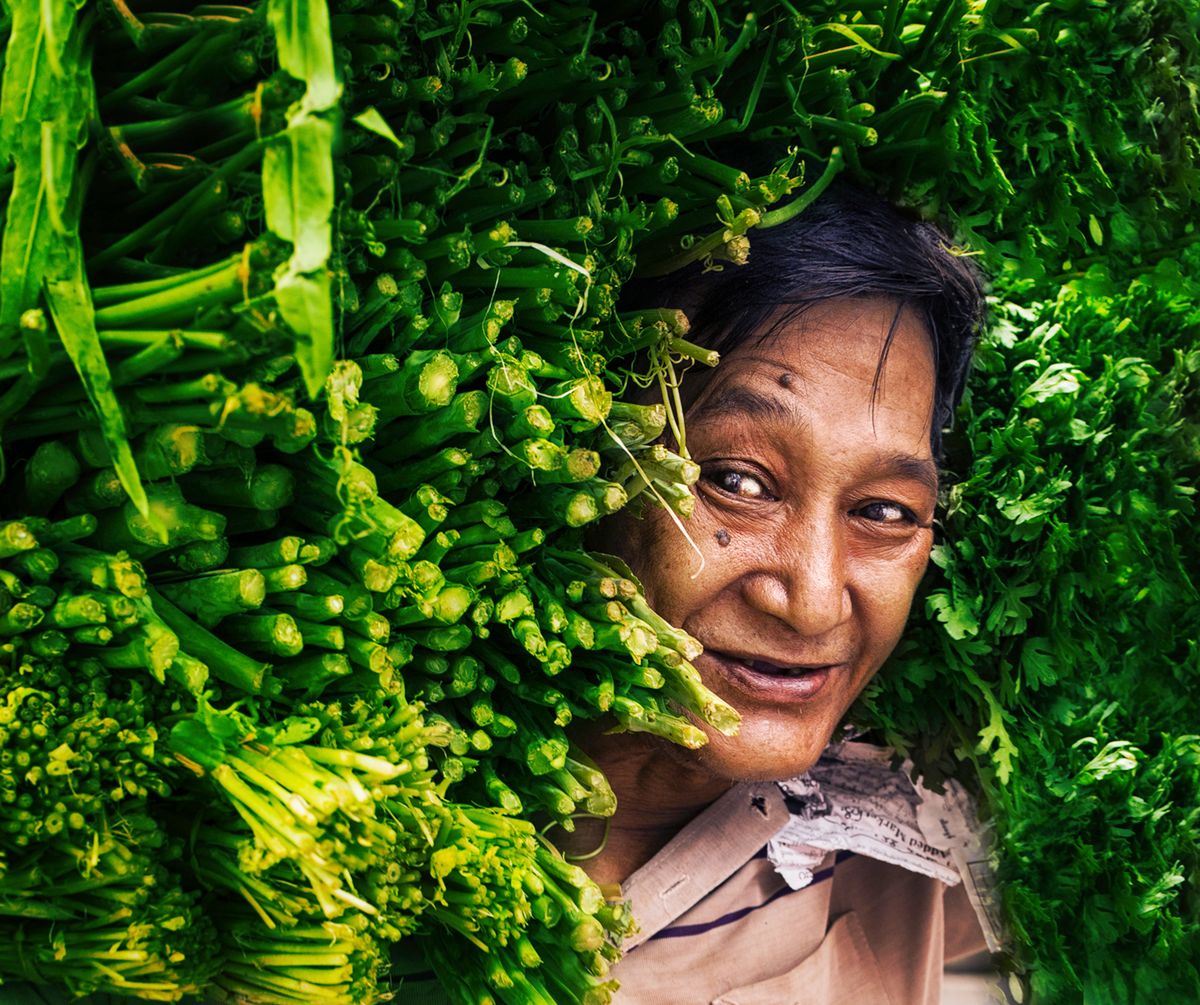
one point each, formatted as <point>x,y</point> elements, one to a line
<point>803,687</point>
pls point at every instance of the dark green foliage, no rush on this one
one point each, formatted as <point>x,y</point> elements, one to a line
<point>1062,616</point>
<point>1101,150</point>
<point>305,562</point>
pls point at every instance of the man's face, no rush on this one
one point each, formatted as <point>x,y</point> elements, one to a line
<point>813,515</point>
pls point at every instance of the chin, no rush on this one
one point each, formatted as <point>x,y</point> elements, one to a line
<point>763,751</point>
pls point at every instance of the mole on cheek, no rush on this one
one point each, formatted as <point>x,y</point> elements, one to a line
<point>786,379</point>
<point>722,537</point>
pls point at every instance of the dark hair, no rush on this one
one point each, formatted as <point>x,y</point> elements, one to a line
<point>849,243</point>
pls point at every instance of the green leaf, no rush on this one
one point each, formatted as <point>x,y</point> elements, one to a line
<point>372,121</point>
<point>1058,378</point>
<point>1038,663</point>
<point>298,192</point>
<point>297,179</point>
<point>70,305</point>
<point>302,35</point>
<point>958,615</point>
<point>306,303</point>
<point>43,114</point>
<point>995,735</point>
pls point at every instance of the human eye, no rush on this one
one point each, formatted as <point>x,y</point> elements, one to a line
<point>888,514</point>
<point>735,482</point>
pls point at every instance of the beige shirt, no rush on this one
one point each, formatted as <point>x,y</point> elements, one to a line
<point>719,926</point>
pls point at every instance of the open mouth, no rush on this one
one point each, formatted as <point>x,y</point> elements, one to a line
<point>773,681</point>
<point>774,670</point>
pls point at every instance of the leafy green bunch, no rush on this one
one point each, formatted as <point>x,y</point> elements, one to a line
<point>91,883</point>
<point>311,352</point>
<point>1068,137</point>
<point>1062,615</point>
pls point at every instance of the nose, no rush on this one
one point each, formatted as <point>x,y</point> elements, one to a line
<point>804,581</point>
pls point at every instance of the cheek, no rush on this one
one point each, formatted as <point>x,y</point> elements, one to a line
<point>887,588</point>
<point>679,579</point>
<point>648,545</point>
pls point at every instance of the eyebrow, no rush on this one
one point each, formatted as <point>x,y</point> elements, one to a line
<point>735,400</point>
<point>918,469</point>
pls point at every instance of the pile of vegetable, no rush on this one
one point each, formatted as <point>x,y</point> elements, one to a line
<point>312,359</point>
<point>1068,598</point>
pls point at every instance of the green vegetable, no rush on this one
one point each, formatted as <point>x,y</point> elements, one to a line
<point>309,370</point>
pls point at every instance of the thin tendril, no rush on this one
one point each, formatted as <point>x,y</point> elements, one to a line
<point>658,498</point>
<point>599,849</point>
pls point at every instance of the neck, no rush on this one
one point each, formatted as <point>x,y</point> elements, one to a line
<point>658,792</point>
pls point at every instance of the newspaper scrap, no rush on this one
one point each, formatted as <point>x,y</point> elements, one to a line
<point>853,800</point>
<point>794,860</point>
<point>950,822</point>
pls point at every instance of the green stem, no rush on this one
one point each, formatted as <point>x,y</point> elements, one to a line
<point>224,662</point>
<point>798,205</point>
<point>147,231</point>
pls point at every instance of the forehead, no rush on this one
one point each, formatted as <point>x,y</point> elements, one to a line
<point>853,361</point>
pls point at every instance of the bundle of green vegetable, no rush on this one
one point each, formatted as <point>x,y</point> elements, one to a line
<point>311,351</point>
<point>1062,618</point>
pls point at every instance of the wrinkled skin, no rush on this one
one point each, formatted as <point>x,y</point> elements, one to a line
<point>814,519</point>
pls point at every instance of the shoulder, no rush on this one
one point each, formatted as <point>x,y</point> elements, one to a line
<point>861,930</point>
